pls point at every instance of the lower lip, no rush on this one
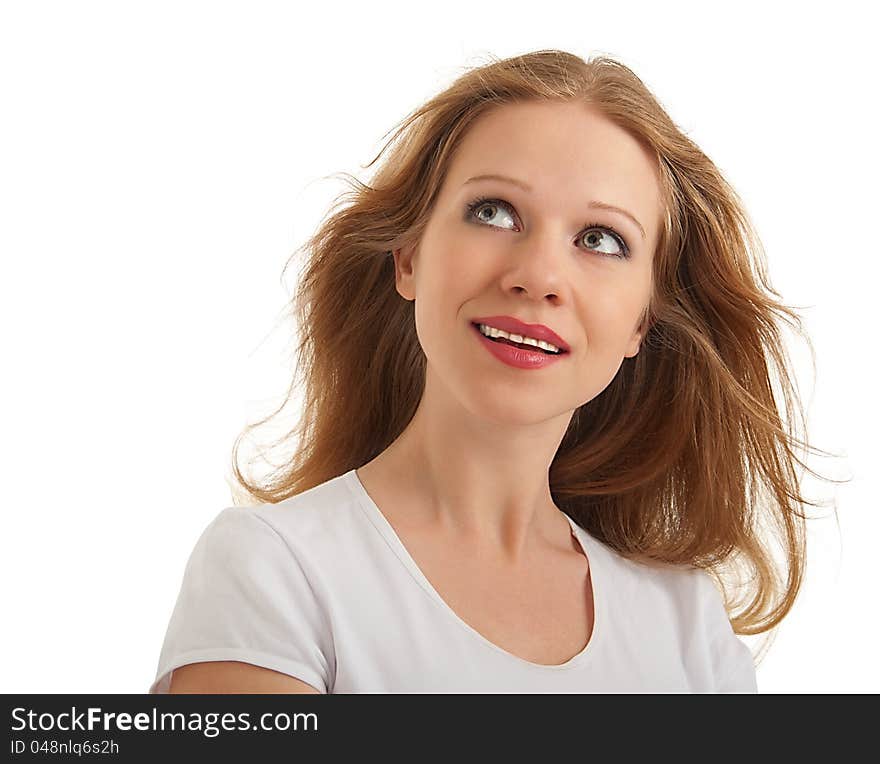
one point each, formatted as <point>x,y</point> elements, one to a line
<point>514,356</point>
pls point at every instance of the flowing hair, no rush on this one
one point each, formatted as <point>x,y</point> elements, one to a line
<point>683,459</point>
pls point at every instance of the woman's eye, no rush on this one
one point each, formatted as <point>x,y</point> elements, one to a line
<point>597,238</point>
<point>593,240</point>
<point>485,211</point>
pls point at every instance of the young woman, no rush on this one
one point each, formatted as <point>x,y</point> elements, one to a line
<point>538,421</point>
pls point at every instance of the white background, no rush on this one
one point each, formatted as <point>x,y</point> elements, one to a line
<point>161,161</point>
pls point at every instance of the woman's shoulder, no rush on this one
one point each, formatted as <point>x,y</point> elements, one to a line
<point>316,524</point>
<point>258,589</point>
<point>650,582</point>
<point>314,511</point>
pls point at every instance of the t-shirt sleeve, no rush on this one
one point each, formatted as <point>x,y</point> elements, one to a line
<point>733,667</point>
<point>246,597</point>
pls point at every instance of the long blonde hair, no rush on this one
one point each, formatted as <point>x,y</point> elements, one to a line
<point>683,459</point>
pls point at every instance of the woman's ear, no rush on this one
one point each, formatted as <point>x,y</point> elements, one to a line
<point>404,276</point>
<point>634,345</point>
<point>636,340</point>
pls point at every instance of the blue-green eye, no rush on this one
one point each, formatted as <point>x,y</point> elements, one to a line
<point>476,210</point>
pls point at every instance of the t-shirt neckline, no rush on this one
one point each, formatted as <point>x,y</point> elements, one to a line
<point>386,530</point>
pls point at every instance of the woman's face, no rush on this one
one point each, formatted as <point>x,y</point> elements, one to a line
<point>544,255</point>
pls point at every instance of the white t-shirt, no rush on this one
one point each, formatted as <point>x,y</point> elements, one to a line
<point>320,587</point>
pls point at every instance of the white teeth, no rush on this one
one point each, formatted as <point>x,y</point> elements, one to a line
<point>491,331</point>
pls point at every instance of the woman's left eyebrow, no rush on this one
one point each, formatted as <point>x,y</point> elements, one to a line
<point>528,189</point>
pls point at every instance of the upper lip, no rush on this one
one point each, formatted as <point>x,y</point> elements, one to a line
<point>513,325</point>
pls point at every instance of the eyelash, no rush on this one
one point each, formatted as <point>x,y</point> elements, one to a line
<point>481,200</point>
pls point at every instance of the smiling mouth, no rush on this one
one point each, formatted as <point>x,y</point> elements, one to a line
<point>521,345</point>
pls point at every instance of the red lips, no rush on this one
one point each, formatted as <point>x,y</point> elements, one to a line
<point>513,325</point>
